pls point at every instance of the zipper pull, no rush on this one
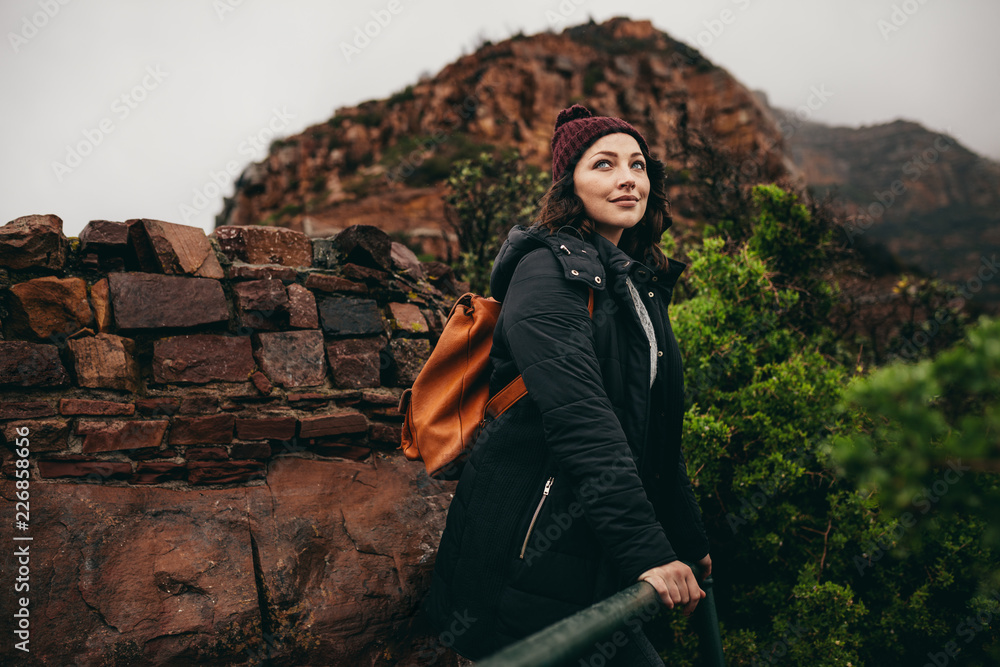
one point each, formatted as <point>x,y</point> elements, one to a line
<point>548,485</point>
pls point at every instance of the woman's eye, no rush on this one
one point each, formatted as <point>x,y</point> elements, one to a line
<point>639,164</point>
<point>598,164</point>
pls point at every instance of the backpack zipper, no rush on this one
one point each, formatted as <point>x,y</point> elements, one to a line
<point>534,517</point>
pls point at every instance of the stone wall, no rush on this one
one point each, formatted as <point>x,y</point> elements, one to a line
<point>211,426</point>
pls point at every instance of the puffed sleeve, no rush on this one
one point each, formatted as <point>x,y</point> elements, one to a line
<point>549,334</point>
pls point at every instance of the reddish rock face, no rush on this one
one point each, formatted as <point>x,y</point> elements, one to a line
<point>48,307</point>
<point>206,454</point>
<point>363,548</point>
<point>202,358</point>
<point>365,245</point>
<point>213,430</point>
<point>97,471</point>
<point>302,308</point>
<point>347,421</point>
<point>261,383</point>
<point>100,299</point>
<point>407,317</point>
<point>26,409</point>
<point>265,245</point>
<point>151,453</point>
<point>34,241</point>
<point>266,428</point>
<point>157,472</point>
<point>31,365</point>
<point>342,553</point>
<point>101,436</point>
<point>49,435</point>
<point>199,405</point>
<point>147,301</point>
<point>224,472</point>
<point>169,248</point>
<point>105,361</point>
<point>355,362</point>
<point>80,406</point>
<point>291,358</point>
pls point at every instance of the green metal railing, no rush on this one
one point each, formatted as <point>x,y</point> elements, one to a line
<point>562,642</point>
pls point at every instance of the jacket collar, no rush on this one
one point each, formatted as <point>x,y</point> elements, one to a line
<point>593,261</point>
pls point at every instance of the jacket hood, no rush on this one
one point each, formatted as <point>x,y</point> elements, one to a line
<point>589,261</point>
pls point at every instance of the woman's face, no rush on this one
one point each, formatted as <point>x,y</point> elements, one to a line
<point>611,181</point>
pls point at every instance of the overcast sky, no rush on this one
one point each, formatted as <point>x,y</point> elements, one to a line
<point>118,109</point>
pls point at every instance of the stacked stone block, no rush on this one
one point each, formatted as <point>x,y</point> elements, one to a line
<point>146,352</point>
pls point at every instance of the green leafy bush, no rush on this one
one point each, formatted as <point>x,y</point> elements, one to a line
<point>810,571</point>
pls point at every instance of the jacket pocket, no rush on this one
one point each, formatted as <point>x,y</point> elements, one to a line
<point>534,517</point>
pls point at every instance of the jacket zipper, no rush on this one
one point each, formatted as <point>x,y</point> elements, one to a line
<point>534,517</point>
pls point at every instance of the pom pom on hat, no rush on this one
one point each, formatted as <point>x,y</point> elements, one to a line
<point>576,129</point>
<point>575,112</point>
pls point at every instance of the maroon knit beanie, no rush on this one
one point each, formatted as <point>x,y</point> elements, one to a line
<point>576,129</point>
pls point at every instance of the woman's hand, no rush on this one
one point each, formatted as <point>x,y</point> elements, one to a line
<point>676,585</point>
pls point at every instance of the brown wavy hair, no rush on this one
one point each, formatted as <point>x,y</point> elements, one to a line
<point>560,207</point>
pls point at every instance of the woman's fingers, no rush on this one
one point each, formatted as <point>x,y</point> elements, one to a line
<point>676,585</point>
<point>695,594</point>
<point>676,593</point>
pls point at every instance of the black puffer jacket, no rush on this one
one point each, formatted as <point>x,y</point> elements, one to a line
<point>581,486</point>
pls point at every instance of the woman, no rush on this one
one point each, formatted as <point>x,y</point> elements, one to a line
<point>580,489</point>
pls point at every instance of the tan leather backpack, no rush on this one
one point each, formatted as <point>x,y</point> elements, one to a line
<point>449,402</point>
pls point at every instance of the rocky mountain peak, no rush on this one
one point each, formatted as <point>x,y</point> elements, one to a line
<point>383,162</point>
